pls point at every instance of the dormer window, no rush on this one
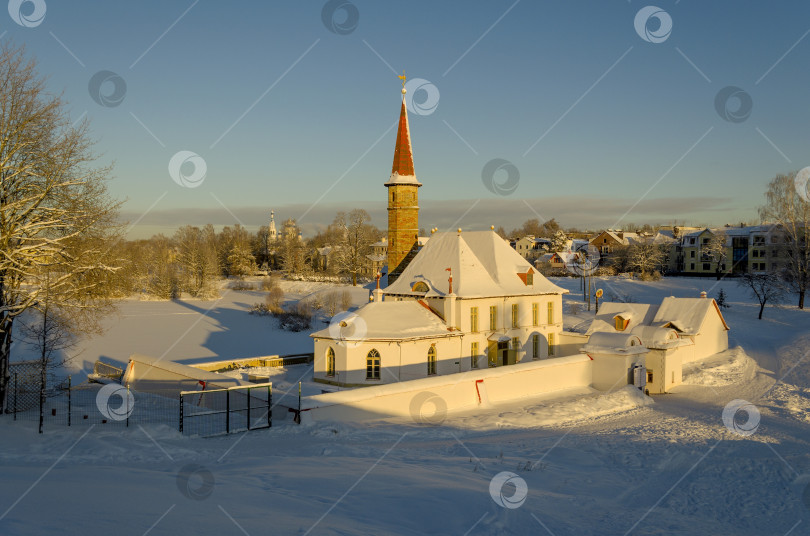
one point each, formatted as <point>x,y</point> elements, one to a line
<point>527,278</point>
<point>420,286</point>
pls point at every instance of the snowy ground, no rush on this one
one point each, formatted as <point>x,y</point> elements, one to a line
<point>592,463</point>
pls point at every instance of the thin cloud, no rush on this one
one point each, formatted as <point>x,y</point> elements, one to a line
<point>569,211</point>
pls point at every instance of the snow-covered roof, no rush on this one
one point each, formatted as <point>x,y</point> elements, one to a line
<point>656,337</point>
<point>482,264</point>
<point>663,237</point>
<point>695,233</point>
<point>746,230</point>
<point>686,314</point>
<point>614,343</point>
<point>637,313</point>
<point>386,320</point>
<point>376,258</point>
<point>140,364</point>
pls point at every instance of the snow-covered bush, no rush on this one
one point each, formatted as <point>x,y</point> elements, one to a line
<point>295,318</point>
<point>242,285</point>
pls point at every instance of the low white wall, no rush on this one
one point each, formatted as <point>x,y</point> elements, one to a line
<point>445,394</point>
<point>570,342</point>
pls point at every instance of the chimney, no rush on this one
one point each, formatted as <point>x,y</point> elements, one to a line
<point>377,293</point>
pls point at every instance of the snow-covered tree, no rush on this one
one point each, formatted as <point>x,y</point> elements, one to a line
<point>791,211</point>
<point>293,250</point>
<point>160,266</point>
<point>646,256</point>
<point>54,208</point>
<point>716,250</point>
<point>235,252</point>
<point>357,237</point>
<point>197,260</point>
<point>559,241</point>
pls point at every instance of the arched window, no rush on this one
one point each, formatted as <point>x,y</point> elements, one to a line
<point>420,286</point>
<point>431,361</point>
<point>373,365</point>
<point>330,362</point>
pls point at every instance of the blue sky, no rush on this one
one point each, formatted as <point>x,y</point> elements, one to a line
<point>290,116</point>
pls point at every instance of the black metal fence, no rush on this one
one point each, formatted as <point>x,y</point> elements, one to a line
<point>203,413</point>
<point>223,411</point>
<point>110,405</point>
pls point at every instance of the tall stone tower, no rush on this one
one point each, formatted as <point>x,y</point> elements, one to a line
<point>403,201</point>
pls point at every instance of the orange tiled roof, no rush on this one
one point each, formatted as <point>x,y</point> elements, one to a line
<point>403,157</point>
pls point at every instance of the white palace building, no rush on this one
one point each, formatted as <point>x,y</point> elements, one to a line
<point>463,301</point>
<point>466,301</point>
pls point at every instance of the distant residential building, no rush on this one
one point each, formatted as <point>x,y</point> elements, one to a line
<point>747,249</point>
<point>531,247</point>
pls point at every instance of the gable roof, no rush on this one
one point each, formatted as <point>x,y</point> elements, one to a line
<point>687,315</point>
<point>482,264</point>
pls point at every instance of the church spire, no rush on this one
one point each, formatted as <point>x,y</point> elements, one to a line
<point>402,169</point>
<point>403,200</point>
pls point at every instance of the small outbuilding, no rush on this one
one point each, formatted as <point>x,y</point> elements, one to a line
<point>614,357</point>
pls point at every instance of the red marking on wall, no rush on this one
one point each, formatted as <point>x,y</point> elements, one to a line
<point>477,391</point>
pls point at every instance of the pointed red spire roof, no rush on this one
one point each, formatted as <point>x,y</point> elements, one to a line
<point>402,169</point>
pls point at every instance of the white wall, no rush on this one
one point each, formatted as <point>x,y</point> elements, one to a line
<point>667,367</point>
<point>612,371</point>
<point>399,361</point>
<point>451,393</point>
<point>407,360</point>
<point>571,342</point>
<point>712,339</point>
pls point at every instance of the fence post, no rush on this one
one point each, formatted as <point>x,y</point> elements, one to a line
<point>15,396</point>
<point>127,404</point>
<point>41,396</point>
<point>181,414</point>
<point>70,385</point>
<point>248,409</point>
<point>269,406</point>
<point>228,411</point>
<point>299,402</point>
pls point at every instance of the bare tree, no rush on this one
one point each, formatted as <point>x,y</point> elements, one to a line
<point>646,256</point>
<point>51,332</point>
<point>54,207</point>
<point>764,287</point>
<point>791,211</point>
<point>357,237</point>
<point>716,250</point>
